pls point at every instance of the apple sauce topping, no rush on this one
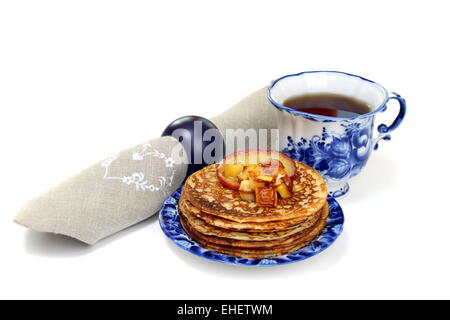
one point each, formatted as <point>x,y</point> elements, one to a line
<point>261,182</point>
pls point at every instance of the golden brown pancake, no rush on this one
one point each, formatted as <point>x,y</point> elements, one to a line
<point>225,239</point>
<point>244,226</point>
<point>253,253</point>
<point>205,192</point>
<point>206,229</point>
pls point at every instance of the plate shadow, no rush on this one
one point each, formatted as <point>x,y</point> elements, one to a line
<point>316,264</point>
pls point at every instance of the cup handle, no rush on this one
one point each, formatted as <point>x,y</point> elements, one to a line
<point>383,129</point>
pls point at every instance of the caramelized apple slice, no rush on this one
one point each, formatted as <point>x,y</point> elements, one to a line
<point>266,197</point>
<point>247,189</point>
<point>266,178</point>
<point>229,182</point>
<point>288,181</point>
<point>271,167</point>
<point>256,156</point>
<point>246,186</point>
<point>244,175</point>
<point>256,184</point>
<point>250,185</point>
<point>232,170</point>
<point>247,196</point>
<point>284,191</point>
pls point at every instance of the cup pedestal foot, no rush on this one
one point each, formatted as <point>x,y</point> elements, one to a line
<point>337,189</point>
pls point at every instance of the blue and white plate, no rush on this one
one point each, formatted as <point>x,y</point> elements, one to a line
<point>169,220</point>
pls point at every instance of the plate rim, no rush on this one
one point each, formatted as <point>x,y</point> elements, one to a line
<point>332,231</point>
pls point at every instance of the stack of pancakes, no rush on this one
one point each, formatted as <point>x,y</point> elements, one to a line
<point>218,219</point>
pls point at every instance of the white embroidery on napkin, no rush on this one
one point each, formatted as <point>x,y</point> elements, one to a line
<point>138,179</point>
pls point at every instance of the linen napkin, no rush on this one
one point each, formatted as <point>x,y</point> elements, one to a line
<point>130,186</point>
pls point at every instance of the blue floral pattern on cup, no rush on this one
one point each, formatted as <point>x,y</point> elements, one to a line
<point>169,221</point>
<point>337,156</point>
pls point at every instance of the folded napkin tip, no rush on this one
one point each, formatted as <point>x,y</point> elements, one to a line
<point>21,220</point>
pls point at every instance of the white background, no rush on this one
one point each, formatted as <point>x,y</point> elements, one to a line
<point>80,80</point>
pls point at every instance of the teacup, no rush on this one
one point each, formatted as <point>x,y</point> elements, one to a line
<point>336,147</point>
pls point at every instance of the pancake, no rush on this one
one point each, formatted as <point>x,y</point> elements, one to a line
<point>255,253</point>
<point>205,192</point>
<point>286,241</point>
<point>206,229</point>
<point>219,222</point>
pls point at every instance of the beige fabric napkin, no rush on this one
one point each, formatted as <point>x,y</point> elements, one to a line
<point>128,187</point>
<point>254,111</point>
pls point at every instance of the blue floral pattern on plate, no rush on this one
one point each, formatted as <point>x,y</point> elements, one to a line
<point>169,220</point>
